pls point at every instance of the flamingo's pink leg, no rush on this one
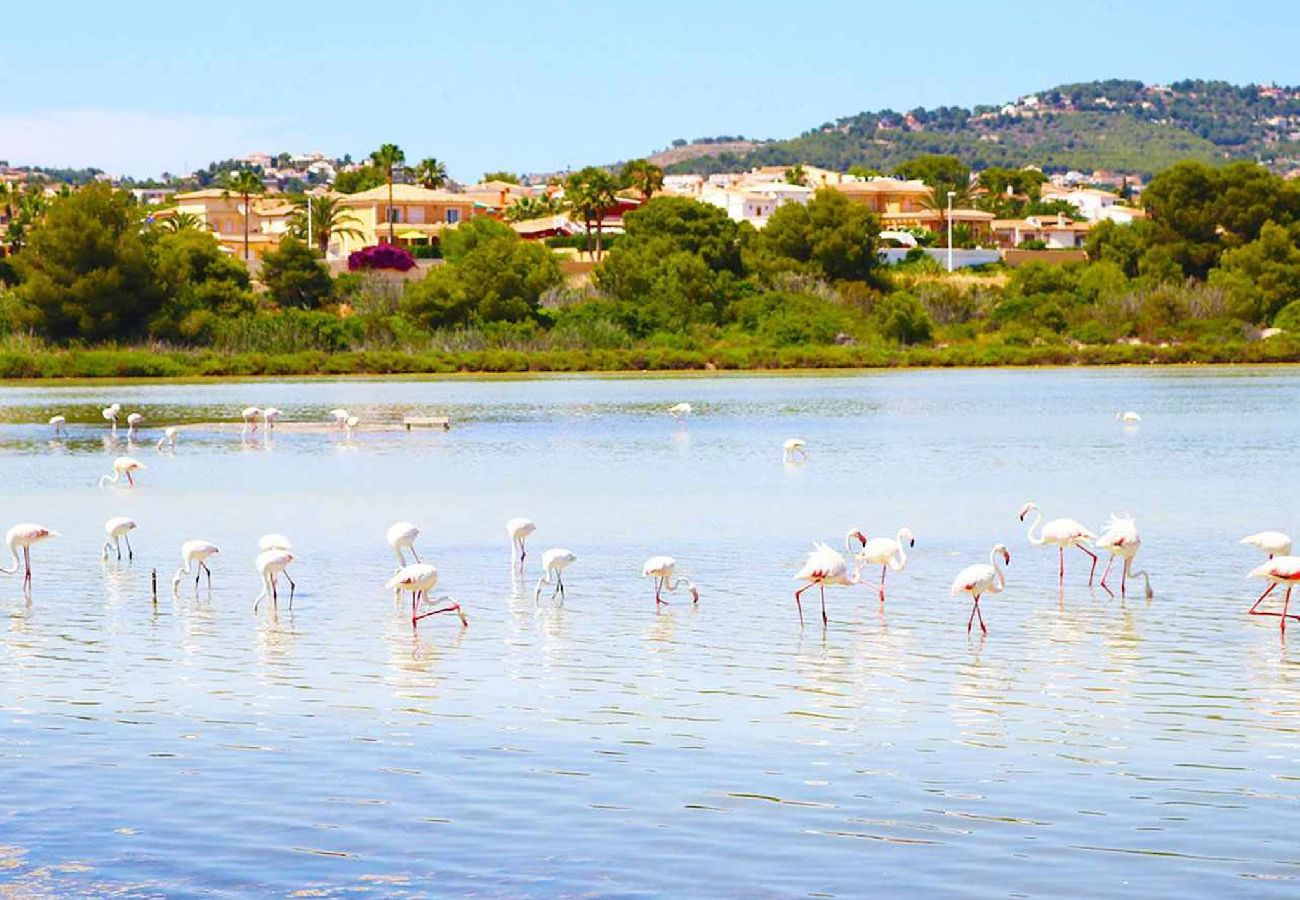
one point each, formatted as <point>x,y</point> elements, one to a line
<point>971,621</point>
<point>1123,579</point>
<point>129,479</point>
<point>797,602</point>
<point>1252,611</point>
<point>1106,574</point>
<point>1286,605</point>
<point>980,613</point>
<point>825,621</point>
<point>1061,574</point>
<point>1092,573</point>
<point>883,569</point>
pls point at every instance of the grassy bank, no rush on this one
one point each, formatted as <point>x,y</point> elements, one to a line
<point>140,362</point>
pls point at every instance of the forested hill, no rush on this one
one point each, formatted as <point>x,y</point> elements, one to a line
<point>1119,125</point>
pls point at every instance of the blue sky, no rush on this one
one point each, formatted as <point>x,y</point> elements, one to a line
<point>139,86</point>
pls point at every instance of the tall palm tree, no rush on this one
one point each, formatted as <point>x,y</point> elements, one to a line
<point>644,176</point>
<point>328,218</point>
<point>592,192</point>
<point>937,199</point>
<point>181,221</point>
<point>432,173</point>
<point>389,158</point>
<point>245,183</point>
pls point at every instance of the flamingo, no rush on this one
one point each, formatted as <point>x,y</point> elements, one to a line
<point>1061,533</point>
<point>1128,417</point>
<point>58,423</point>
<point>340,417</point>
<point>1120,539</point>
<point>554,562</point>
<point>110,415</point>
<point>249,415</point>
<point>824,566</point>
<point>680,410</point>
<point>888,553</point>
<point>119,528</point>
<point>518,530</point>
<point>133,424</point>
<point>123,465</point>
<point>419,578</point>
<point>350,426</point>
<point>271,563</point>
<point>275,541</point>
<point>401,536</point>
<point>980,579</point>
<point>196,553</point>
<point>1278,570</point>
<point>661,569</point>
<point>1274,543</point>
<point>270,416</point>
<point>24,535</point>
<point>170,434</point>
<point>794,450</point>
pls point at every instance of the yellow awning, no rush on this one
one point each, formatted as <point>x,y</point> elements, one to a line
<point>412,235</point>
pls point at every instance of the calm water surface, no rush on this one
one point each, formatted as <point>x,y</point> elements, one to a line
<point>1087,745</point>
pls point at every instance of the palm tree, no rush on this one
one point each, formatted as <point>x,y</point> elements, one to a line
<point>591,193</point>
<point>389,158</point>
<point>181,221</point>
<point>328,218</point>
<point>531,208</point>
<point>796,174</point>
<point>245,183</point>
<point>937,199</point>
<point>643,175</point>
<point>431,173</point>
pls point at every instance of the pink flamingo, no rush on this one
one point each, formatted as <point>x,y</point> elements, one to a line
<point>1278,570</point>
<point>981,579</point>
<point>824,566</point>
<point>1061,533</point>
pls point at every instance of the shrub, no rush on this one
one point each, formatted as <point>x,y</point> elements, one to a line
<point>381,256</point>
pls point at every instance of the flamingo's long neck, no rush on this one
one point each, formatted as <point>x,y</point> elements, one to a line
<point>848,540</point>
<point>998,573</point>
<point>1038,520</point>
<point>1146,578</point>
<point>901,555</point>
<point>13,548</point>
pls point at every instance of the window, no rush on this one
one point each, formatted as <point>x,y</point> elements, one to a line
<point>415,215</point>
<point>453,216</point>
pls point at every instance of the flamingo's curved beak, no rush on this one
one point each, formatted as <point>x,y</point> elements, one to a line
<point>1006,554</point>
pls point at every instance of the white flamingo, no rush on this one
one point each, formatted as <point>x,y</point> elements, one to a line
<point>1060,533</point>
<point>276,541</point>
<point>888,553</point>
<point>661,569</point>
<point>123,465</point>
<point>680,410</point>
<point>401,537</point>
<point>1274,543</point>
<point>270,416</point>
<point>981,579</point>
<point>271,563</point>
<point>170,433</point>
<point>340,417</point>
<point>118,528</point>
<point>23,536</point>
<point>249,415</point>
<point>133,422</point>
<point>110,415</point>
<point>794,450</point>
<point>419,579</point>
<point>1128,417</point>
<point>1278,570</point>
<point>197,554</point>
<point>518,529</point>
<point>554,562</point>
<point>350,426</point>
<point>1121,540</point>
<point>824,567</point>
<point>59,424</point>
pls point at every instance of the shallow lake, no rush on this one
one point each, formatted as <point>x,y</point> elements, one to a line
<point>1087,745</point>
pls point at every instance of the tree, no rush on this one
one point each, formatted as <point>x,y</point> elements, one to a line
<point>86,271</point>
<point>1261,277</point>
<point>181,221</point>
<point>1000,180</point>
<point>389,159</point>
<point>643,176</point>
<point>508,177</point>
<point>945,173</point>
<point>591,193</point>
<point>200,285</point>
<point>294,277</point>
<point>328,217</point>
<point>245,183</point>
<point>902,318</point>
<point>796,174</point>
<point>939,201</point>
<point>431,173</point>
<point>831,236</point>
<point>525,208</point>
<point>357,180</point>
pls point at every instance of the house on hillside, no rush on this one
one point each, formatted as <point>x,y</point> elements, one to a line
<point>418,215</point>
<point>755,202</point>
<point>223,213</point>
<point>901,205</point>
<point>1057,232</point>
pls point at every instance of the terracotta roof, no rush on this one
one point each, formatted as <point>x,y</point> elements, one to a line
<point>882,186</point>
<point>403,193</point>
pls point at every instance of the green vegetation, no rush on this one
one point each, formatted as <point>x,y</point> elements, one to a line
<point>98,291</point>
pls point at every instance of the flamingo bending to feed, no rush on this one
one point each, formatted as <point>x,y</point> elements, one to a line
<point>133,425</point>
<point>824,567</point>
<point>1278,570</point>
<point>680,410</point>
<point>981,579</point>
<point>661,569</point>
<point>24,535</point>
<point>123,465</point>
<point>419,579</point>
<point>195,553</point>
<point>1128,417</point>
<point>249,415</point>
<point>170,434</point>
<point>270,416</point>
<point>110,415</point>
<point>518,530</point>
<point>340,417</point>
<point>119,528</point>
<point>275,541</point>
<point>271,563</point>
<point>401,536</point>
<point>58,423</point>
<point>886,552</point>
<point>351,425</point>
<point>1274,543</point>
<point>1060,533</point>
<point>1121,540</point>
<point>794,450</point>
<point>554,562</point>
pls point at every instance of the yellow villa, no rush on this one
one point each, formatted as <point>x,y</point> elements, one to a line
<point>903,204</point>
<point>222,213</point>
<point>418,215</point>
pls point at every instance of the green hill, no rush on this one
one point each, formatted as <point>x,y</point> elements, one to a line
<point>1123,126</point>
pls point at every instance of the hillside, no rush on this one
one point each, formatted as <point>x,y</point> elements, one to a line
<point>1118,125</point>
